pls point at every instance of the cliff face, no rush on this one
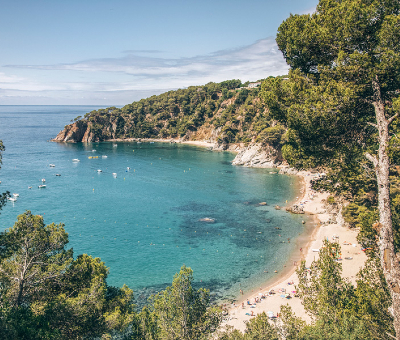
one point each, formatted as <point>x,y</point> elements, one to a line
<point>230,117</point>
<point>96,130</point>
<point>253,155</point>
<point>76,132</point>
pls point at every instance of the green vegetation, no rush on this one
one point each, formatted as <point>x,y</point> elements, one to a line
<point>341,105</point>
<point>338,309</point>
<point>179,312</point>
<point>232,112</point>
<point>46,294</point>
<point>337,109</point>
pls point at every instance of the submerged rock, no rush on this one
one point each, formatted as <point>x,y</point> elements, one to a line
<point>207,219</point>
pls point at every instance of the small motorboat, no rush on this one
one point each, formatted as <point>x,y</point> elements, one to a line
<point>114,174</point>
<point>76,160</point>
<point>93,150</point>
<point>115,145</point>
<point>128,168</point>
<point>99,170</point>
<point>51,165</point>
<point>104,156</point>
<point>42,186</point>
<point>16,195</point>
<point>43,180</point>
<point>12,199</point>
<point>58,175</point>
<point>29,187</point>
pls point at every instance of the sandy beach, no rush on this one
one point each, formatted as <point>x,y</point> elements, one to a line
<point>166,140</point>
<point>353,259</point>
<point>313,203</point>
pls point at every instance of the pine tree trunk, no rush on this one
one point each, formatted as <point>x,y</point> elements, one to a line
<point>390,264</point>
<point>18,300</point>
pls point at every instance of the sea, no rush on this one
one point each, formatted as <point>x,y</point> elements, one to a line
<point>146,208</point>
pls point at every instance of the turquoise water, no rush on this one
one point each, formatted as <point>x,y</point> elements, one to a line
<point>145,223</point>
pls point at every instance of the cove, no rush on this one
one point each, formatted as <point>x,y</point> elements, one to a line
<point>167,205</point>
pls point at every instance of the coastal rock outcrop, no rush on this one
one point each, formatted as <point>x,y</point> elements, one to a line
<point>288,171</point>
<point>295,209</point>
<point>96,129</point>
<point>259,156</point>
<point>77,132</point>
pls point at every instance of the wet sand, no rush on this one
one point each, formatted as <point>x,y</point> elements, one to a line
<point>313,203</point>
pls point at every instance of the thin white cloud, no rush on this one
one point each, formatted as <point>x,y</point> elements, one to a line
<point>135,72</point>
<point>9,79</point>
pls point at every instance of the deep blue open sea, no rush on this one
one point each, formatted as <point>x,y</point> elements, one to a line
<point>145,222</point>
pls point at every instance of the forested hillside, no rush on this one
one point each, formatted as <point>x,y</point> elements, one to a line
<point>226,112</point>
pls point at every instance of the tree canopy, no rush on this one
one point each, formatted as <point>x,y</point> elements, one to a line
<point>46,294</point>
<point>180,312</point>
<point>341,102</point>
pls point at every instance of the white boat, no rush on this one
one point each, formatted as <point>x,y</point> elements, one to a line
<point>128,168</point>
<point>104,156</point>
<point>51,165</point>
<point>43,180</point>
<point>16,195</point>
<point>93,150</point>
<point>99,170</point>
<point>76,160</point>
<point>12,199</point>
<point>115,145</point>
<point>41,186</point>
<point>114,174</point>
<point>58,175</point>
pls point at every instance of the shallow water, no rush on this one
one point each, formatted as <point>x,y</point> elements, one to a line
<point>145,222</point>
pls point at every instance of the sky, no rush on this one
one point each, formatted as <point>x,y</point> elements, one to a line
<point>98,52</point>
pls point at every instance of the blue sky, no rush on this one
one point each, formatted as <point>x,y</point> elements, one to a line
<point>59,52</point>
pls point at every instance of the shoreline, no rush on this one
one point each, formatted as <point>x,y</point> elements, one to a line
<point>164,140</point>
<point>313,204</point>
<point>322,226</point>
